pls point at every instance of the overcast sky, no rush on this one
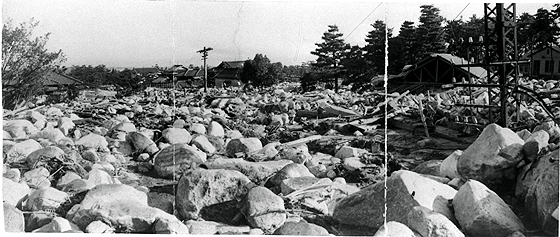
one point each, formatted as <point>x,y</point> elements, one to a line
<point>142,33</point>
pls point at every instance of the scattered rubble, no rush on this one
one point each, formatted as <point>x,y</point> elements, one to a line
<point>278,162</point>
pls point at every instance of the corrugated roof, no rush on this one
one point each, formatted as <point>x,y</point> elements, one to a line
<point>454,60</point>
<point>231,64</point>
<point>56,79</point>
<point>146,70</point>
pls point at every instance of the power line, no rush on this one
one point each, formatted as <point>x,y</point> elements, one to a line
<point>363,20</point>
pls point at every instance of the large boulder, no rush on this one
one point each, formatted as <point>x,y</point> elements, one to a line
<point>395,229</point>
<point>176,159</point>
<point>57,225</point>
<point>46,153</point>
<point>492,157</point>
<point>19,128</point>
<point>19,151</point>
<point>257,172</point>
<point>142,143</point>
<point>216,129</point>
<point>534,144</point>
<point>13,219</point>
<point>263,209</point>
<point>93,141</point>
<point>551,128</point>
<point>405,190</point>
<point>348,151</point>
<point>292,170</point>
<point>202,143</point>
<point>430,223</point>
<point>243,145</point>
<point>431,167</point>
<point>481,212</point>
<point>448,167</point>
<point>301,228</point>
<point>542,196</point>
<point>176,135</point>
<point>51,134</point>
<point>37,178</point>
<point>112,192</point>
<point>125,217</point>
<point>198,190</point>
<point>46,199</point>
<point>13,192</point>
<point>529,173</point>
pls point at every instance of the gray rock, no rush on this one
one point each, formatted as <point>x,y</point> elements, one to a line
<point>484,159</point>
<point>19,128</point>
<point>431,167</point>
<point>298,183</point>
<point>13,219</point>
<point>534,144</point>
<point>36,220</point>
<point>99,227</point>
<point>290,171</point>
<point>215,129</point>
<point>257,172</point>
<point>97,177</point>
<point>125,216</point>
<point>198,128</point>
<point>57,225</point>
<point>91,155</point>
<point>524,134</point>
<point>448,167</point>
<point>51,134</point>
<point>68,177</point>
<point>202,188</point>
<point>37,178</point>
<point>243,145</point>
<point>14,193</point>
<point>170,225</point>
<point>394,229</point>
<point>176,135</point>
<point>45,154</point>
<point>202,227</point>
<point>142,143</point>
<point>203,144</point>
<point>481,212</point>
<point>347,151</point>
<point>46,199</point>
<point>529,173</point>
<point>301,228</point>
<point>19,151</point>
<point>405,190</point>
<point>125,127</point>
<point>299,154</point>
<point>551,128</point>
<point>177,159</point>
<point>113,192</point>
<point>353,163</point>
<point>542,196</point>
<point>94,141</point>
<point>430,223</point>
<point>233,134</point>
<point>263,209</point>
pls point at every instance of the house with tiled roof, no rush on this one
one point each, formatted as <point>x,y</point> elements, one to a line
<point>544,62</point>
<point>228,73</point>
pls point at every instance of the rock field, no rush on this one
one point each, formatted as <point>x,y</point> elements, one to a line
<point>272,162</point>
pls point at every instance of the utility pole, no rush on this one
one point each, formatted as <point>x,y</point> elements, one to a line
<point>204,53</point>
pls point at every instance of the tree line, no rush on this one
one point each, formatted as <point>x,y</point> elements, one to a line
<point>433,34</point>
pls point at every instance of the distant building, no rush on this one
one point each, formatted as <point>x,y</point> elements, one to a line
<point>544,63</point>
<point>228,73</point>
<point>53,81</point>
<point>147,71</point>
<point>434,70</point>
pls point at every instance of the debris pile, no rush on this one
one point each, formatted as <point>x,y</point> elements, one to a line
<point>270,162</point>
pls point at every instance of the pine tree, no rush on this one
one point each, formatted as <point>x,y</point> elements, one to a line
<point>330,53</point>
<point>375,47</point>
<point>430,33</point>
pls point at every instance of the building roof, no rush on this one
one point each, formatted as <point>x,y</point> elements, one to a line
<point>231,64</point>
<point>478,72</point>
<point>146,70</point>
<point>526,56</point>
<point>228,73</point>
<point>195,72</point>
<point>56,79</point>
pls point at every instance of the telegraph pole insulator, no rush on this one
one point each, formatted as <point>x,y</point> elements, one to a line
<point>204,53</point>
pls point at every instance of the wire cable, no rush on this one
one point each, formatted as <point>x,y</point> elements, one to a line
<point>363,21</point>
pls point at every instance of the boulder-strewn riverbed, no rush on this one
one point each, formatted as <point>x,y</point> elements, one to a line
<point>272,162</point>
